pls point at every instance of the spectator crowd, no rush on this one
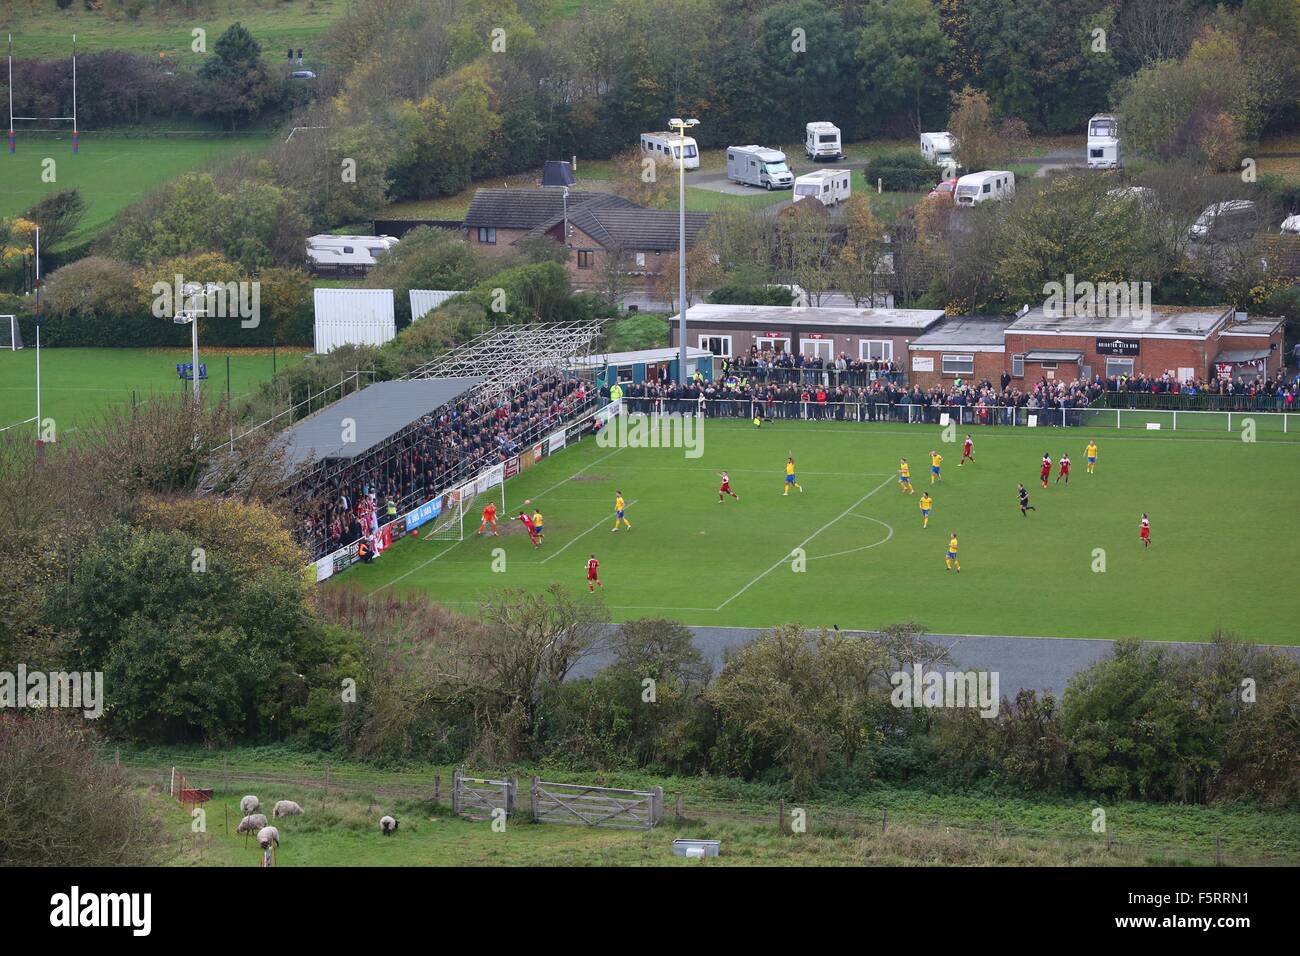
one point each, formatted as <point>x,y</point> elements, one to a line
<point>342,502</point>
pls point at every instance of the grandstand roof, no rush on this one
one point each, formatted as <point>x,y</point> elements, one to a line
<point>378,412</point>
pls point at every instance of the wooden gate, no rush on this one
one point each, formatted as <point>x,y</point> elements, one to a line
<point>478,797</point>
<point>596,806</point>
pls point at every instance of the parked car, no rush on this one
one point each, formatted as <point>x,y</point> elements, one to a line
<point>944,189</point>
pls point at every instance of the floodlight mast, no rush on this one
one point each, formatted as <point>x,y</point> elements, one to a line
<point>190,315</point>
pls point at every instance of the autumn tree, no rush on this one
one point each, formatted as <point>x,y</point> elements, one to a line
<point>974,142</point>
<point>858,266</point>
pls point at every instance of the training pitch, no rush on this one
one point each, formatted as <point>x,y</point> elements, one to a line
<point>1225,516</point>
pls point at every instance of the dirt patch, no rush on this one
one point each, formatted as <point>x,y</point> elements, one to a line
<point>590,478</point>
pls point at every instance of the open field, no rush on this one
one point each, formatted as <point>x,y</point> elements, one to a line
<point>112,171</point>
<point>1217,504</point>
<point>46,32</point>
<point>77,385</point>
<point>339,827</point>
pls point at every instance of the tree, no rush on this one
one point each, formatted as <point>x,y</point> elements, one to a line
<point>615,277</point>
<point>858,266</point>
<point>237,85</point>
<point>900,50</point>
<point>93,286</point>
<point>807,248</point>
<point>58,214</point>
<point>426,258</point>
<point>974,144</point>
<point>648,181</point>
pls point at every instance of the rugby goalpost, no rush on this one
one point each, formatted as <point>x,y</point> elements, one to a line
<point>465,500</point>
<point>76,133</point>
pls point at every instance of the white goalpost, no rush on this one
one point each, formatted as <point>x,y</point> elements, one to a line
<point>11,336</point>
<point>467,499</point>
<point>76,133</point>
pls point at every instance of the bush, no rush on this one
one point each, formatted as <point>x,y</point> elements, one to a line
<point>750,295</point>
<point>902,171</point>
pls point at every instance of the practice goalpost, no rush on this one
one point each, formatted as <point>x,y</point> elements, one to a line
<point>76,133</point>
<point>469,499</point>
<point>11,336</point>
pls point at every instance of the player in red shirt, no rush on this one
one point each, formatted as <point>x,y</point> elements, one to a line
<point>967,451</point>
<point>528,524</point>
<point>726,487</point>
<point>593,574</point>
<point>1145,532</point>
<point>1065,470</point>
<point>1045,471</point>
<point>489,518</point>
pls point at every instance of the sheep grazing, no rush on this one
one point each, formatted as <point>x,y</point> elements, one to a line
<point>250,804</point>
<point>253,823</point>
<point>387,825</point>
<point>286,808</point>
<point>268,837</point>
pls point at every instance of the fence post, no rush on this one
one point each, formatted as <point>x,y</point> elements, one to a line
<point>437,788</point>
<point>657,805</point>
<point>884,819</point>
<point>455,791</point>
<point>512,784</point>
<point>533,792</point>
<point>225,774</point>
<point>677,806</point>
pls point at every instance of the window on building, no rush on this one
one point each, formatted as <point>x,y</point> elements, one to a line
<point>719,345</point>
<point>585,258</point>
<point>1119,366</point>
<point>881,349</point>
<point>817,348</point>
<point>959,365</point>
<point>487,235</point>
<point>1017,366</point>
<point>773,342</point>
<point>1047,365</point>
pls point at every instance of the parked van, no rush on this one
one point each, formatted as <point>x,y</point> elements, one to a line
<point>828,186</point>
<point>344,261</point>
<point>669,146</point>
<point>993,184</point>
<point>1103,142</point>
<point>822,141</point>
<point>937,148</point>
<point>1291,226</point>
<point>1225,220</point>
<point>758,166</point>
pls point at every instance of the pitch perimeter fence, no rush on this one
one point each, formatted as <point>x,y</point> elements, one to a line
<point>319,787</point>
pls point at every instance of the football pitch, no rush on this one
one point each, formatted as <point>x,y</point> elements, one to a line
<point>850,549</point>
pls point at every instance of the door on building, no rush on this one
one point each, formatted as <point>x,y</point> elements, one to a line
<point>774,343</point>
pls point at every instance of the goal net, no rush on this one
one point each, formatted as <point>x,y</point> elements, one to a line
<point>464,503</point>
<point>11,336</point>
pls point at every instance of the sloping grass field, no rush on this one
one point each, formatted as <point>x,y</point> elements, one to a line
<point>850,549</point>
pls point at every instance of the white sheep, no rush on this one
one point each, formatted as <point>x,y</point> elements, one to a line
<point>267,837</point>
<point>387,825</point>
<point>251,823</point>
<point>286,808</point>
<point>250,804</point>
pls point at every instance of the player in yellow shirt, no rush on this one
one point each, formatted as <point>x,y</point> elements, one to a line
<point>936,460</point>
<point>619,508</point>
<point>905,476</point>
<point>789,477</point>
<point>1091,454</point>
<point>951,556</point>
<point>538,525</point>
<point>926,504</point>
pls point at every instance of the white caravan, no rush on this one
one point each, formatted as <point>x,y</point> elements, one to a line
<point>347,261</point>
<point>1103,142</point>
<point>669,146</point>
<point>822,141</point>
<point>1291,226</point>
<point>376,244</point>
<point>937,148</point>
<point>829,186</point>
<point>992,185</point>
<point>758,166</point>
<point>1234,219</point>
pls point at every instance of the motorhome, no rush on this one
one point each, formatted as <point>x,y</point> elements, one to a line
<point>1103,142</point>
<point>828,186</point>
<point>993,184</point>
<point>937,148</point>
<point>822,141</point>
<point>344,261</point>
<point>758,166</point>
<point>669,147</point>
<point>1222,221</point>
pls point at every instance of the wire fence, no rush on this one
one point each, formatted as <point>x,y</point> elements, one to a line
<point>333,785</point>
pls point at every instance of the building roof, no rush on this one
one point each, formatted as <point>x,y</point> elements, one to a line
<point>965,331</point>
<point>378,411</point>
<point>1234,356</point>
<point>1053,355</point>
<point>1166,321</point>
<point>1263,325</point>
<point>634,227</point>
<point>647,356</point>
<point>524,208</point>
<point>898,321</point>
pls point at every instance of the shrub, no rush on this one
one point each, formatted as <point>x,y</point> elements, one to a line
<point>901,171</point>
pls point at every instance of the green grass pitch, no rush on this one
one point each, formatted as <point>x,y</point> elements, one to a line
<point>1225,514</point>
<point>77,385</point>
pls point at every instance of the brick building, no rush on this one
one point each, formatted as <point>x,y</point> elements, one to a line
<point>818,332</point>
<point>1189,342</point>
<point>960,346</point>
